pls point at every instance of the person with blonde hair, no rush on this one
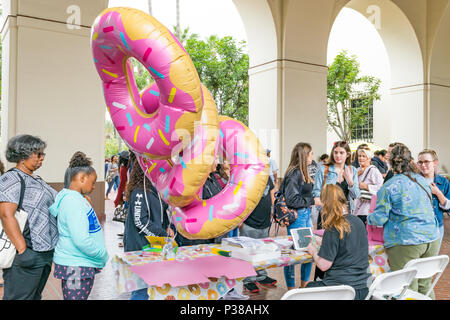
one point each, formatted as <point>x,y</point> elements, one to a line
<point>440,186</point>
<point>370,181</point>
<point>344,246</point>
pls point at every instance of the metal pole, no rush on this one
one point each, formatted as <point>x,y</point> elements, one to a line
<point>178,19</point>
<point>150,7</point>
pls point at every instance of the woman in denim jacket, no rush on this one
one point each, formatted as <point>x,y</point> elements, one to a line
<point>440,186</point>
<point>341,173</point>
<point>405,211</point>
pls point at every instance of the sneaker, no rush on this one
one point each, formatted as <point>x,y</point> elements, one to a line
<point>234,295</point>
<point>267,281</point>
<point>251,287</point>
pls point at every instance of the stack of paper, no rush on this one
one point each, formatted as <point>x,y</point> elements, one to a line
<point>242,242</point>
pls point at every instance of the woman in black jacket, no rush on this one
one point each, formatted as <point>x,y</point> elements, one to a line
<point>146,217</point>
<point>298,187</point>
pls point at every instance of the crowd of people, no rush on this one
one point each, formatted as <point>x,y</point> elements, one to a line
<point>333,194</point>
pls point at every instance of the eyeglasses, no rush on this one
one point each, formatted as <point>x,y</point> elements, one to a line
<point>426,162</point>
<point>40,154</point>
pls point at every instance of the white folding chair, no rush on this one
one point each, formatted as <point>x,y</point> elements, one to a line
<point>342,292</point>
<point>426,268</point>
<point>391,285</point>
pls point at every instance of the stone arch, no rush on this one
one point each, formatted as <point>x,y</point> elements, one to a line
<point>438,111</point>
<point>407,92</point>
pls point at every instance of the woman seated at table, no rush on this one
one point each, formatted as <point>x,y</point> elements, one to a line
<point>139,221</point>
<point>343,254</point>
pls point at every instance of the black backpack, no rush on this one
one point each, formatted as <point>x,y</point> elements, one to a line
<point>282,215</point>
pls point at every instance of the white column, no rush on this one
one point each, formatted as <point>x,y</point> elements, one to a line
<point>50,86</point>
<point>264,114</point>
<point>439,124</point>
<point>304,107</point>
<point>407,116</point>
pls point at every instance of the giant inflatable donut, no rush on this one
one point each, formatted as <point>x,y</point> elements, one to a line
<point>173,127</point>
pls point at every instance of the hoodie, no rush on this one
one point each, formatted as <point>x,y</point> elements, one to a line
<point>382,166</point>
<point>140,222</point>
<point>81,242</point>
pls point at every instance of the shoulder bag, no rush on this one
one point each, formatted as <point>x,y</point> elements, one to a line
<point>365,194</point>
<point>7,249</point>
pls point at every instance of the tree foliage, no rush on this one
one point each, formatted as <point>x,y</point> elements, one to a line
<point>344,84</point>
<point>222,66</point>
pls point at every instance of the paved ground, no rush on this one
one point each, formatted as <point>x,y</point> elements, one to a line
<point>105,289</point>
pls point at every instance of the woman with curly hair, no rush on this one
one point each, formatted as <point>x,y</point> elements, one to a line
<point>81,251</point>
<point>404,208</point>
<point>26,278</point>
<point>146,216</point>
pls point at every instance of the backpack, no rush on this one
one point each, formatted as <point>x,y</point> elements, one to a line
<point>282,215</point>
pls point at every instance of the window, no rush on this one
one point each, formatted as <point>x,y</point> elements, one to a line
<point>363,132</point>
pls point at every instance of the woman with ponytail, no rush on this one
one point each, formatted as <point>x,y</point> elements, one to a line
<point>404,208</point>
<point>344,246</point>
<point>80,252</point>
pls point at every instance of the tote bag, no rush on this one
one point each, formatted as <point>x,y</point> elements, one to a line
<point>7,249</point>
<point>374,233</point>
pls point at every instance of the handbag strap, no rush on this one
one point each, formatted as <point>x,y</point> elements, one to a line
<point>414,180</point>
<point>22,189</point>
<point>364,180</point>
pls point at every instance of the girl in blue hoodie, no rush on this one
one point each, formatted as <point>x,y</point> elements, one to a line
<point>80,252</point>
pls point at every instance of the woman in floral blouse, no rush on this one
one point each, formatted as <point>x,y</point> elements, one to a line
<point>404,209</point>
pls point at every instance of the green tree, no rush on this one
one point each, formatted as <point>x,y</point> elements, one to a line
<point>141,74</point>
<point>222,65</point>
<point>113,142</point>
<point>344,84</point>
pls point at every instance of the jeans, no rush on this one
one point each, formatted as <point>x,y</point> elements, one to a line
<point>140,294</point>
<point>303,220</point>
<point>233,233</point>
<point>114,181</point>
<point>247,231</point>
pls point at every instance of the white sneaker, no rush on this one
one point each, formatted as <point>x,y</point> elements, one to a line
<point>234,295</point>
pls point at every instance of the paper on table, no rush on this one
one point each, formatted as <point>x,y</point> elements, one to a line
<point>284,243</point>
<point>243,242</point>
<point>182,273</point>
